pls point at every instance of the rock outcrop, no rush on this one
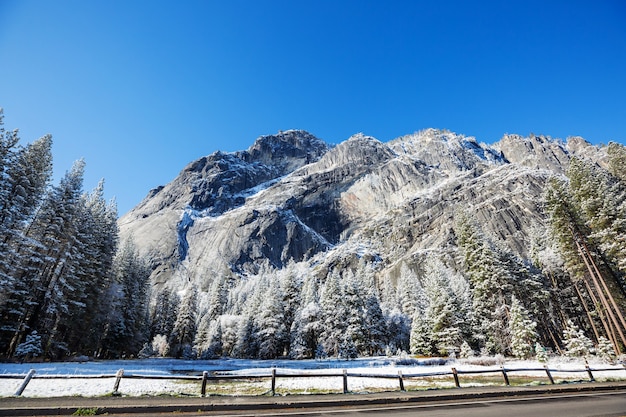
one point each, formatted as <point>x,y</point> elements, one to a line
<point>291,197</point>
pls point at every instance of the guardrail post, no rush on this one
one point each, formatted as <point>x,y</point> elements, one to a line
<point>345,381</point>
<point>118,378</point>
<point>549,374</point>
<point>27,379</point>
<point>591,378</point>
<point>455,374</point>
<point>401,381</point>
<point>205,376</point>
<point>273,381</point>
<point>506,377</point>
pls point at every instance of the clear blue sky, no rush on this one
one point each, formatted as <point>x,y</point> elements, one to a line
<point>141,88</point>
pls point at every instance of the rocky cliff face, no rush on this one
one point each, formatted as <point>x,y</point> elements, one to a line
<point>290,197</point>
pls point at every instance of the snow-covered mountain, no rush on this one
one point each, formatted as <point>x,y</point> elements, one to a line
<point>292,197</point>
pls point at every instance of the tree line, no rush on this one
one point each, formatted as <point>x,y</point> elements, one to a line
<point>474,297</point>
<point>69,287</point>
<point>66,285</point>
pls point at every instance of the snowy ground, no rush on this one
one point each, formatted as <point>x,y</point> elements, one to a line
<point>46,387</point>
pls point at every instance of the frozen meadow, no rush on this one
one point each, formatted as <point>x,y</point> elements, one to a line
<point>43,386</point>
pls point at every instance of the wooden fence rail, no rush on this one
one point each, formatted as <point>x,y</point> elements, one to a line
<point>273,375</point>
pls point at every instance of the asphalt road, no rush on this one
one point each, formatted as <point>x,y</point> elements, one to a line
<point>574,400</point>
<point>581,405</point>
<point>575,405</point>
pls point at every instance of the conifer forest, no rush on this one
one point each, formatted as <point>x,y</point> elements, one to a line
<point>71,285</point>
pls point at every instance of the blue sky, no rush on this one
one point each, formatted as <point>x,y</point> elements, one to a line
<point>141,88</point>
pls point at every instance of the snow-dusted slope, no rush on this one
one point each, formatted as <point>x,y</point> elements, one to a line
<point>290,197</point>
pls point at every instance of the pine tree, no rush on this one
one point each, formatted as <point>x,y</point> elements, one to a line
<point>398,327</point>
<point>50,278</point>
<point>570,228</point>
<point>601,199</point>
<point>164,313</point>
<point>31,348</point>
<point>409,291</point>
<point>522,330</point>
<point>466,350</point>
<point>334,315</point>
<point>26,175</point>
<point>291,289</point>
<point>540,353</point>
<point>604,349</point>
<point>125,326</point>
<point>354,308</point>
<point>374,325</point>
<point>421,342</point>
<point>247,345</point>
<point>617,160</point>
<point>230,326</point>
<point>272,333</point>
<point>577,344</point>
<point>184,331</point>
<point>217,298</point>
<point>307,323</point>
<point>490,281</point>
<point>444,311</point>
<point>203,338</point>
<point>96,241</point>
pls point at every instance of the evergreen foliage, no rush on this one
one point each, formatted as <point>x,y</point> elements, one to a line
<point>59,287</point>
<point>577,344</point>
<point>67,286</point>
<point>522,330</point>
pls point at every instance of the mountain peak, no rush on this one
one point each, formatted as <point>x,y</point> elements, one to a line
<point>288,149</point>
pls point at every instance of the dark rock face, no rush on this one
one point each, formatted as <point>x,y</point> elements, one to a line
<point>291,197</point>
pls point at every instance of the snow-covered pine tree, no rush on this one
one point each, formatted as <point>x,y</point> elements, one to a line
<point>334,315</point>
<point>184,332</point>
<point>522,330</point>
<point>51,274</point>
<point>398,327</point>
<point>604,350</point>
<point>30,348</point>
<point>96,246</point>
<point>490,282</point>
<point>601,198</point>
<point>577,344</point>
<point>375,330</point>
<point>354,307</point>
<point>230,326</point>
<point>218,298</point>
<point>466,350</point>
<point>247,345</point>
<point>24,176</point>
<point>126,327</point>
<point>291,289</point>
<point>570,229</point>
<point>540,353</point>
<point>444,312</point>
<point>421,342</point>
<point>307,323</point>
<point>209,343</point>
<point>409,291</point>
<point>164,313</point>
<point>272,334</point>
<point>203,338</point>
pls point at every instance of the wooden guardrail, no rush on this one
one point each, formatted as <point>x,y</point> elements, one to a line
<point>273,375</point>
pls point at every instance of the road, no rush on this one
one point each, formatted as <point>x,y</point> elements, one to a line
<point>582,405</point>
<point>571,405</point>
<point>584,400</point>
